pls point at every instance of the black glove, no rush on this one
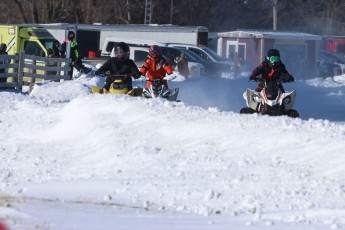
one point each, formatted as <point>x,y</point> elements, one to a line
<point>252,78</point>
<point>288,78</point>
<point>97,72</point>
<point>85,70</point>
<point>136,75</point>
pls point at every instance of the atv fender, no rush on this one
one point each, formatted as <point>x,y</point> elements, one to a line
<point>291,96</point>
<point>248,96</point>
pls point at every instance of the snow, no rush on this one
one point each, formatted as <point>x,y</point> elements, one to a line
<point>74,160</point>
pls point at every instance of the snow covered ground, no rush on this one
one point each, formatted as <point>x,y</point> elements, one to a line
<point>73,160</point>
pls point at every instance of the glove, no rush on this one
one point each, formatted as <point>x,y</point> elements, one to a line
<point>288,78</point>
<point>92,73</point>
<point>85,70</point>
<point>136,75</point>
<point>252,78</point>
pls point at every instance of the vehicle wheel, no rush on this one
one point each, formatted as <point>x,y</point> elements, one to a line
<point>292,113</point>
<point>247,110</point>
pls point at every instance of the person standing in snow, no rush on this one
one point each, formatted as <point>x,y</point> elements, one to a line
<point>155,66</point>
<point>119,65</point>
<point>56,49</point>
<point>271,69</point>
<point>182,65</point>
<point>3,48</point>
<point>73,53</point>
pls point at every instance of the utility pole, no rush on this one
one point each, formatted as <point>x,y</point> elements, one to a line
<point>171,11</point>
<point>148,13</point>
<point>275,2</point>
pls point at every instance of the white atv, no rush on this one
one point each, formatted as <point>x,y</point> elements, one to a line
<point>271,100</point>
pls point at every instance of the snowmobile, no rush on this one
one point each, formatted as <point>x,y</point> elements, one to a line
<point>119,87</point>
<point>158,90</point>
<point>271,100</point>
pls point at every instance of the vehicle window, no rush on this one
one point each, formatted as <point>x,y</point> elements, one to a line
<point>48,43</point>
<point>194,56</point>
<point>338,58</point>
<point>140,56</point>
<point>215,55</point>
<point>32,48</point>
<point>200,53</point>
<point>180,47</point>
<point>170,54</point>
<point>110,46</point>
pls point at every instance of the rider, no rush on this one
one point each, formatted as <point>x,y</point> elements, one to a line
<point>272,69</point>
<point>155,66</point>
<point>119,65</point>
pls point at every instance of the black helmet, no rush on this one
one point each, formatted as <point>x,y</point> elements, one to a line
<point>122,51</point>
<point>273,52</point>
<point>71,35</point>
<point>273,56</point>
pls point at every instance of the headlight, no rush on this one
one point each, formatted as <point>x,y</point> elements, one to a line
<point>256,98</point>
<point>287,100</point>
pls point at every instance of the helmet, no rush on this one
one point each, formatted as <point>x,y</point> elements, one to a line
<point>273,52</point>
<point>122,51</point>
<point>71,35</point>
<point>155,52</point>
<point>273,56</point>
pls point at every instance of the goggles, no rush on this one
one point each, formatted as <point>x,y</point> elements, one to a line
<point>274,59</point>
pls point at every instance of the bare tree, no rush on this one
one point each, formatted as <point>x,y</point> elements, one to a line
<point>21,10</point>
<point>311,16</point>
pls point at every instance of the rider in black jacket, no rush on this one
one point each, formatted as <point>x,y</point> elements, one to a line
<point>120,65</point>
<point>272,69</point>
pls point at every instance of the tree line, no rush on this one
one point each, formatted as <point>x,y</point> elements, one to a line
<point>322,17</point>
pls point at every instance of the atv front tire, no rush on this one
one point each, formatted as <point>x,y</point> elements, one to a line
<point>247,110</point>
<point>292,113</point>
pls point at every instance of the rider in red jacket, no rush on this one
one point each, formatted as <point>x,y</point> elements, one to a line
<point>272,69</point>
<point>155,66</point>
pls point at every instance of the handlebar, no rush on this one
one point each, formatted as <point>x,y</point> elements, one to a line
<point>260,79</point>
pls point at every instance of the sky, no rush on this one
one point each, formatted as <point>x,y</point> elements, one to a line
<point>71,159</point>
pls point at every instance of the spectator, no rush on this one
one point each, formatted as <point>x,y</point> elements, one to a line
<point>3,48</point>
<point>182,65</point>
<point>73,53</point>
<point>57,52</point>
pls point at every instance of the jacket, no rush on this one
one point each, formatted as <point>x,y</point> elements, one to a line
<point>270,73</point>
<point>155,70</point>
<point>115,66</point>
<point>74,54</point>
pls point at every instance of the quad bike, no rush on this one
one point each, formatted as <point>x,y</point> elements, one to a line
<point>119,86</point>
<point>158,90</point>
<point>271,100</point>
